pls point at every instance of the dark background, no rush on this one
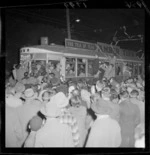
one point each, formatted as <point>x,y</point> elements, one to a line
<point>25,25</point>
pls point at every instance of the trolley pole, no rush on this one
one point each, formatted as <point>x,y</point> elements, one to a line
<point>68,23</point>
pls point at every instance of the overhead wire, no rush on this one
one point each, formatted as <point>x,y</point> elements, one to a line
<point>52,20</point>
<point>44,19</point>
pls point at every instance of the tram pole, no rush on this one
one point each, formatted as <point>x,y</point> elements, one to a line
<point>68,23</point>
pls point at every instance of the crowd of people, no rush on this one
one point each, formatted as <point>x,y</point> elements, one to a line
<point>45,111</point>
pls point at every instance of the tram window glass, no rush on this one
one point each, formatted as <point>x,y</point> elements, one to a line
<point>70,67</point>
<point>81,67</point>
<point>90,67</point>
<point>38,66</point>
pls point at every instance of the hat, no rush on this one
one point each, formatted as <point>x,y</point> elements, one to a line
<point>101,107</point>
<point>35,123</point>
<point>71,88</point>
<point>19,87</point>
<point>29,94</point>
<point>14,102</point>
<point>53,108</point>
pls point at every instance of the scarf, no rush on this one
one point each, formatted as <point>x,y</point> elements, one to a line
<point>67,118</point>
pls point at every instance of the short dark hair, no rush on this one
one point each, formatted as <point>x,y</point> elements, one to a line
<point>134,93</point>
<point>124,94</point>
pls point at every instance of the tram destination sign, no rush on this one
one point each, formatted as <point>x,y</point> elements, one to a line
<point>80,44</point>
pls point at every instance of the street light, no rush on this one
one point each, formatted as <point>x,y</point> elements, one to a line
<point>77,20</point>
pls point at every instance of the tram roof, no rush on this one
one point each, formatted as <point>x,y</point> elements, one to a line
<point>77,51</point>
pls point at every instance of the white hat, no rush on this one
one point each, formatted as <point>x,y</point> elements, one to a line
<point>53,108</point>
<point>12,101</point>
<point>61,100</point>
<point>71,88</point>
<point>29,94</point>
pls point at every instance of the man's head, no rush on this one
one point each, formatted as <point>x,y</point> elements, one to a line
<point>124,95</point>
<point>134,94</point>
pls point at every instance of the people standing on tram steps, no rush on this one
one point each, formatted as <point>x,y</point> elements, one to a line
<point>105,131</point>
<point>129,119</point>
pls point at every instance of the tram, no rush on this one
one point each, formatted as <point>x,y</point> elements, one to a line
<point>75,61</point>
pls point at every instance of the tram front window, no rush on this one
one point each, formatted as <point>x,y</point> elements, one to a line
<point>38,67</point>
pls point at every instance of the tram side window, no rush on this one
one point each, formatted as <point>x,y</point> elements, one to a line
<point>81,67</point>
<point>90,67</point>
<point>70,67</point>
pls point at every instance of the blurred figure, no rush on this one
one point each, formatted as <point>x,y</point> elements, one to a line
<point>14,133</point>
<point>57,128</point>
<point>105,131</point>
<point>129,119</point>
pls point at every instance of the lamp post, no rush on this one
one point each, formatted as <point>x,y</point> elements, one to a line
<point>68,23</point>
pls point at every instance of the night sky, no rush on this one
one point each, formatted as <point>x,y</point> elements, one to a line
<point>25,26</point>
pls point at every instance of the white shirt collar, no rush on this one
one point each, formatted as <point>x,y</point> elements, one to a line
<point>102,116</point>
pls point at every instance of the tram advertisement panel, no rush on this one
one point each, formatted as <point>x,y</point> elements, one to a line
<point>80,44</point>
